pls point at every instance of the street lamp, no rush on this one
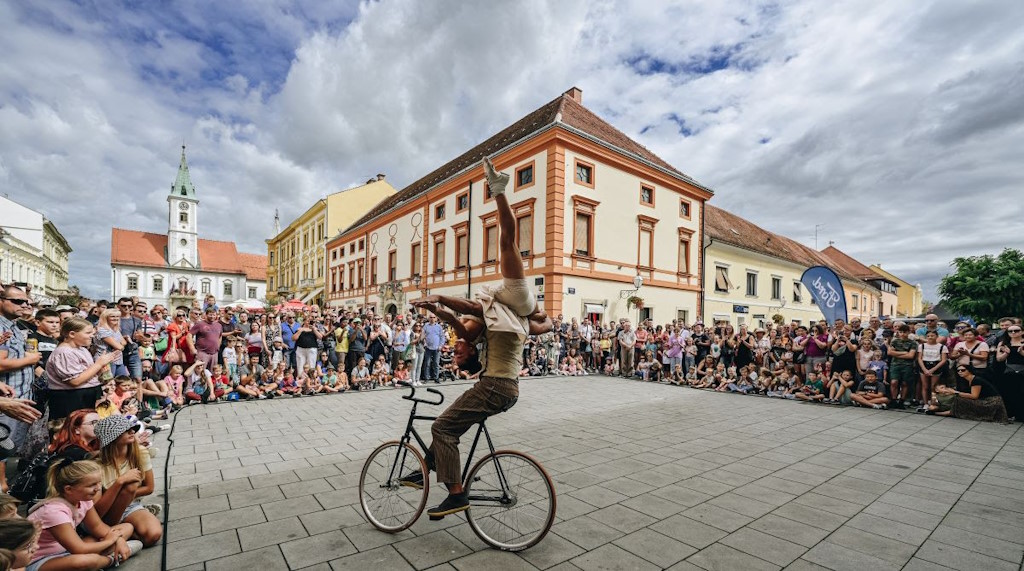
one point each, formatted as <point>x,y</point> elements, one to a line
<point>638,281</point>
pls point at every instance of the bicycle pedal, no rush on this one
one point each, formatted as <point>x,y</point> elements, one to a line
<point>436,517</point>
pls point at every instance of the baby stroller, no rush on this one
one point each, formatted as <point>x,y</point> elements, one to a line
<point>446,374</point>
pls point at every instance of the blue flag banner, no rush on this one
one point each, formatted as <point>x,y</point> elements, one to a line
<point>827,290</point>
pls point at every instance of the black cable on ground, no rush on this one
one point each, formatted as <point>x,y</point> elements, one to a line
<point>167,490</point>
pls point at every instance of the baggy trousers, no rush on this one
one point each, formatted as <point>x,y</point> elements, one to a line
<point>489,396</point>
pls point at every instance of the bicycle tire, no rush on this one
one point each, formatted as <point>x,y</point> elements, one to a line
<point>378,508</point>
<point>529,482</point>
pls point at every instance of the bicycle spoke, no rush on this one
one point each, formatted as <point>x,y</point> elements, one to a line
<point>387,504</point>
<point>516,515</point>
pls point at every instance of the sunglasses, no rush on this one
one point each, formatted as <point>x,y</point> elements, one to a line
<point>15,301</point>
<point>1015,330</point>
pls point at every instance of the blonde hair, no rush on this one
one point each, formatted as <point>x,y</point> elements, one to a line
<point>110,465</point>
<point>8,506</point>
<point>107,314</point>
<point>73,325</point>
<point>65,473</point>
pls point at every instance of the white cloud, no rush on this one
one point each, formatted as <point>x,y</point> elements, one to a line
<point>898,125</point>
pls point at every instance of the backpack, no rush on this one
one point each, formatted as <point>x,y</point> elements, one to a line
<point>29,485</point>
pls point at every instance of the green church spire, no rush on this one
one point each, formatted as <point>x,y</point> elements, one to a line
<point>183,183</point>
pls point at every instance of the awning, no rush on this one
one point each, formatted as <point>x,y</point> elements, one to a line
<point>312,294</point>
<point>589,308</point>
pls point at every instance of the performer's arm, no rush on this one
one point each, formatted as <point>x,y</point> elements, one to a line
<point>458,304</point>
<point>540,323</point>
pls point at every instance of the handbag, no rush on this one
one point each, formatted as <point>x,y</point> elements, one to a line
<point>174,356</point>
<point>160,344</point>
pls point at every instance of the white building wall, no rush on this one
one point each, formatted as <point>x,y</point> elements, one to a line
<point>170,277</point>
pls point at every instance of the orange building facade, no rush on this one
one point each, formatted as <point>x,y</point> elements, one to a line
<point>594,210</point>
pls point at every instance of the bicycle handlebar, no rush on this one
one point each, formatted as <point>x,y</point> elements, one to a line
<point>412,396</point>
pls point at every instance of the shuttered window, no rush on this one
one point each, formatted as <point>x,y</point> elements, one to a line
<point>722,282</point>
<point>524,228</point>
<point>581,239</point>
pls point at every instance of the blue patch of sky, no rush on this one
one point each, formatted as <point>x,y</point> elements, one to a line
<point>684,129</point>
<point>717,58</point>
<point>233,39</point>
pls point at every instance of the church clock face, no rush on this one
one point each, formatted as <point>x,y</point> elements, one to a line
<point>183,206</point>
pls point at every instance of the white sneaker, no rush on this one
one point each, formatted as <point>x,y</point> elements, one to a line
<point>135,545</point>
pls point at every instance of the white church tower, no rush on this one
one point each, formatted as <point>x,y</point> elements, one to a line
<point>183,220</point>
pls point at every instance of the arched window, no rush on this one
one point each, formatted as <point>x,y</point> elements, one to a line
<point>133,282</point>
<point>158,284</point>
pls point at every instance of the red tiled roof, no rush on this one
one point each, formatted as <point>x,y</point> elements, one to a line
<point>851,266</point>
<point>563,108</point>
<point>148,249</point>
<point>723,226</point>
<point>255,266</point>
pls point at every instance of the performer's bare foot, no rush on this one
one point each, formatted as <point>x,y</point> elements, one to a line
<point>497,181</point>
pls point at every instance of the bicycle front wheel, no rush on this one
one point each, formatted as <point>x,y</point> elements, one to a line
<point>512,500</point>
<point>388,504</point>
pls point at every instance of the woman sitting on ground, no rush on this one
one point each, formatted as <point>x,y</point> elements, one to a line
<point>974,398</point>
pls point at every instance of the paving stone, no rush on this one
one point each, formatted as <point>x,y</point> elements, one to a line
<point>874,544</point>
<point>963,559</point>
<point>231,519</point>
<point>492,559</point>
<point>431,549</point>
<point>764,546</point>
<point>258,496</point>
<point>551,551</point>
<point>380,559</point>
<point>271,533</point>
<point>719,517</point>
<point>365,536</point>
<point>689,531</point>
<point>316,549</point>
<point>205,548</point>
<point>191,508</point>
<point>332,519</point>
<point>622,518</point>
<point>652,546</point>
<point>889,528</point>
<point>723,557</point>
<point>586,532</point>
<point>839,558</point>
<point>266,559</point>
<point>271,480</point>
<point>185,528</point>
<point>287,508</point>
<point>305,488</point>
<point>598,496</point>
<point>609,557</point>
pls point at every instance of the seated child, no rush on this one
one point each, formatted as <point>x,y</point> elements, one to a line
<point>381,376</point>
<point>200,383</point>
<point>288,384</point>
<point>330,380</point>
<point>840,388</point>
<point>222,384</point>
<point>175,380</point>
<point>74,487</point>
<point>401,374</point>
<point>870,391</point>
<point>813,389</point>
<point>311,384</point>
<point>360,377</point>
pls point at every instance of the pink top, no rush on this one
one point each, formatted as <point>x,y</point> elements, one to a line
<point>66,363</point>
<point>175,383</point>
<point>51,514</point>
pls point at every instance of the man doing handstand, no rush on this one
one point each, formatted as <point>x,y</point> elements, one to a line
<point>503,314</point>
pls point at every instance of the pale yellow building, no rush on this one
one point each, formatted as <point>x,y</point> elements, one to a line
<point>909,298</point>
<point>752,275</point>
<point>594,211</point>
<point>297,257</point>
<point>55,251</point>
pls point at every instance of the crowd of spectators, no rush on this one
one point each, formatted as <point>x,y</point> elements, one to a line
<point>965,371</point>
<point>83,388</point>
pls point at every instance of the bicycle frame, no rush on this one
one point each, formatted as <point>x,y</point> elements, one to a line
<point>410,433</point>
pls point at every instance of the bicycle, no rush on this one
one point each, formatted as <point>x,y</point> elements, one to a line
<point>511,496</point>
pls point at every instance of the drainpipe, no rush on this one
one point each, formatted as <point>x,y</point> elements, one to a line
<point>469,241</point>
<point>703,267</point>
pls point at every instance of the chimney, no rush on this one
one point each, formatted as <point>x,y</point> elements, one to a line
<point>576,94</point>
<point>380,176</point>
<point>371,181</point>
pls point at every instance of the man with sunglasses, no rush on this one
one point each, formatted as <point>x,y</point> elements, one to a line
<point>133,330</point>
<point>931,323</point>
<point>17,366</point>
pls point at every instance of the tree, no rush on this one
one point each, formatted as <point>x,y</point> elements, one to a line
<point>986,287</point>
<point>71,297</point>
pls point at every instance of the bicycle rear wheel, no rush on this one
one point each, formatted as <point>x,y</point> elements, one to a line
<point>387,504</point>
<point>512,500</point>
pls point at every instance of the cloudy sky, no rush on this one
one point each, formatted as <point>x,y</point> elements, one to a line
<point>899,126</point>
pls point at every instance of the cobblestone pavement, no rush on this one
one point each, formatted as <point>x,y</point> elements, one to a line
<point>648,476</point>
